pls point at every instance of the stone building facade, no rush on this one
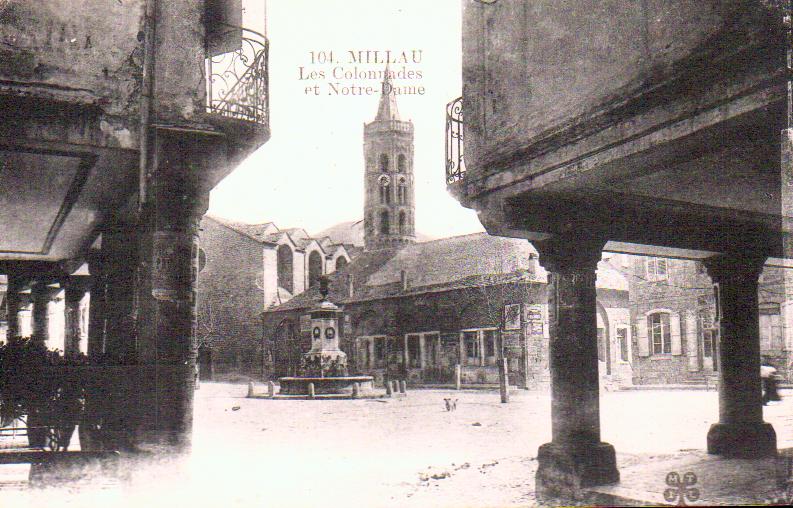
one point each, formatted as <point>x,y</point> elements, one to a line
<point>673,303</point>
<point>248,268</point>
<point>417,311</point>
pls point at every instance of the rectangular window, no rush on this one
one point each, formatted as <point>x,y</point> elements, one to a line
<point>658,326</point>
<point>657,269</point>
<point>413,351</point>
<point>431,346</point>
<point>490,343</point>
<point>470,339</point>
<point>708,339</point>
<point>379,351</point>
<point>622,338</point>
<point>770,327</point>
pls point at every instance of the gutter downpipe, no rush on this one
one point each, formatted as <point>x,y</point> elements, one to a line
<point>147,87</point>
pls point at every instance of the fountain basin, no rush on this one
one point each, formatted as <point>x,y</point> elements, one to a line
<point>326,385</point>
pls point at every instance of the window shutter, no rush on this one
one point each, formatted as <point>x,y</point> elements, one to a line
<point>650,269</point>
<point>642,339</point>
<point>691,340</point>
<point>674,325</point>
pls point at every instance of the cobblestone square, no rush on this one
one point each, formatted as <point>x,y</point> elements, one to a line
<point>397,452</point>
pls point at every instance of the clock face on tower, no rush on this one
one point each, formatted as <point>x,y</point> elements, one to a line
<point>384,180</point>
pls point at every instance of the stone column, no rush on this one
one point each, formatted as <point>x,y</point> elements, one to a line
<point>405,353</point>
<point>168,269</point>
<point>42,296</point>
<point>480,341</point>
<point>370,345</point>
<point>14,302</point>
<point>76,289</point>
<point>740,431</point>
<point>96,307</point>
<point>575,458</point>
<point>119,271</point>
<point>422,358</point>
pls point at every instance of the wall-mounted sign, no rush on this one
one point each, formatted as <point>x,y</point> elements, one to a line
<point>330,333</point>
<point>316,332</point>
<point>512,316</point>
<point>173,265</point>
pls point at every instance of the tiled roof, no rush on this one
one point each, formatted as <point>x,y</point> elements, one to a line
<point>439,265</point>
<point>459,257</point>
<point>260,232</point>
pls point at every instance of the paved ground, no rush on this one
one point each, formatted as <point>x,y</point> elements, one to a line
<point>403,452</point>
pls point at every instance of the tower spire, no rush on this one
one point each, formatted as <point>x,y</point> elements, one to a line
<point>387,109</point>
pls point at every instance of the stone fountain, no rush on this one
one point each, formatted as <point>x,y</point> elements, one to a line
<point>324,367</point>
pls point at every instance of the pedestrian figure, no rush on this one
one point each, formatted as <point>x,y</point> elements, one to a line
<point>770,381</point>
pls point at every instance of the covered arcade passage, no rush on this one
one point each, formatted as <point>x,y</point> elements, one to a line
<point>106,163</point>
<point>656,128</point>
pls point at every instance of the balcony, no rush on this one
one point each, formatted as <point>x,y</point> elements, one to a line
<point>455,163</point>
<point>237,80</point>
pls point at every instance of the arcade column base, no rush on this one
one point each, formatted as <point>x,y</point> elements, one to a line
<point>742,440</point>
<point>564,469</point>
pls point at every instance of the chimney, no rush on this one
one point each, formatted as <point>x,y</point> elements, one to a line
<point>350,287</point>
<point>403,276</point>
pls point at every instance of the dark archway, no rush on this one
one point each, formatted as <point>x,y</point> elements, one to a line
<point>402,223</point>
<point>341,262</point>
<point>401,163</point>
<point>286,272</point>
<point>314,268</point>
<point>383,163</point>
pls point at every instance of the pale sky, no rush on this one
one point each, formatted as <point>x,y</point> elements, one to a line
<point>310,173</point>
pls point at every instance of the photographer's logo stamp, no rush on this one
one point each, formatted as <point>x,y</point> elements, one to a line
<point>681,490</point>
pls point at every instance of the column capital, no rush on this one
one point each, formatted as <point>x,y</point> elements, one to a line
<point>738,267</point>
<point>570,252</point>
<point>76,286</point>
<point>44,291</point>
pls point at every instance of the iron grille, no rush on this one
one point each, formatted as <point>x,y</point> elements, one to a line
<point>455,164</point>
<point>237,81</point>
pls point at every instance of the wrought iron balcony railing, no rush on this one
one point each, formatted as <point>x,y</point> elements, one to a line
<point>455,163</point>
<point>237,81</point>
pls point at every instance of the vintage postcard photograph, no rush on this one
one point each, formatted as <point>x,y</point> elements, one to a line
<point>396,253</point>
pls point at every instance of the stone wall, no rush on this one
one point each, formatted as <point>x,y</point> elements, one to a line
<point>687,294</point>
<point>229,298</point>
<point>447,312</point>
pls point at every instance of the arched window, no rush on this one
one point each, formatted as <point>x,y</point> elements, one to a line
<point>659,332</point>
<point>401,163</point>
<point>314,268</point>
<point>402,193</point>
<point>385,226</point>
<point>341,262</point>
<point>285,268</point>
<point>402,224</point>
<point>383,162</point>
<point>385,194</point>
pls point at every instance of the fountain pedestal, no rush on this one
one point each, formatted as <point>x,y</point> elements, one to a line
<point>325,364</point>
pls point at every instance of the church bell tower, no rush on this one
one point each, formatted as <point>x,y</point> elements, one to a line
<point>389,207</point>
